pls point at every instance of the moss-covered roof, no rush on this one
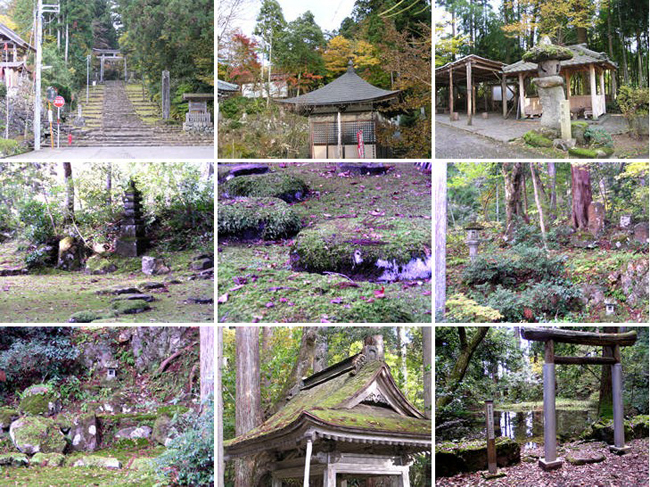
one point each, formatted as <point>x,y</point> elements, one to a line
<point>325,405</point>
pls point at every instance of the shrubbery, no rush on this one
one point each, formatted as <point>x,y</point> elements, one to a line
<point>38,225</point>
<point>189,459</point>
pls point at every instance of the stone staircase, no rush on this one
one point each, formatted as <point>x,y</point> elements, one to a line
<point>117,116</point>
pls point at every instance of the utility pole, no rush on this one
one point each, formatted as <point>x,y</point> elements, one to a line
<point>41,9</point>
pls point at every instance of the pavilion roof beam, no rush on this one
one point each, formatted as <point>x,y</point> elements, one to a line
<point>579,337</point>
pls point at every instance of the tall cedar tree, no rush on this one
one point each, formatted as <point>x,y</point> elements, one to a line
<point>580,195</point>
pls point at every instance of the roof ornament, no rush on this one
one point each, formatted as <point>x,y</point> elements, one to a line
<point>350,66</point>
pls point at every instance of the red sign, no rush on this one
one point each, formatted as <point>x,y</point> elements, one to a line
<point>59,101</point>
<point>360,147</point>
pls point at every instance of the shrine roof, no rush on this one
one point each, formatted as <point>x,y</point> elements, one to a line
<point>582,56</point>
<point>347,89</point>
<point>355,400</point>
<point>8,34</point>
<point>198,96</point>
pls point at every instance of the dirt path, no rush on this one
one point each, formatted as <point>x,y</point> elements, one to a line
<point>629,470</point>
<point>453,143</point>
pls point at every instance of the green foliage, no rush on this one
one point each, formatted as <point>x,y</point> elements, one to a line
<point>37,258</point>
<point>633,101</point>
<point>270,218</point>
<point>272,185</point>
<point>461,309</point>
<point>189,459</point>
<point>71,390</point>
<point>38,226</point>
<point>584,153</point>
<point>235,106</point>
<point>597,137</point>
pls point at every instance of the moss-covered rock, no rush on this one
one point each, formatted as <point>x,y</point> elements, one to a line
<point>14,460</point>
<point>271,185</point>
<point>99,264</point>
<point>597,153</point>
<point>545,52</point>
<point>603,430</point>
<point>84,433</point>
<point>7,416</point>
<point>95,461</point>
<point>253,218</point>
<point>47,460</point>
<point>130,307</point>
<point>537,140</point>
<point>578,130</point>
<point>382,248</point>
<point>40,399</point>
<point>33,434</point>
<point>639,426</point>
<point>452,458</point>
<point>88,316</point>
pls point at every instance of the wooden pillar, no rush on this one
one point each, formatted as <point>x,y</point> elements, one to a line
<point>338,131</point>
<point>504,95</point>
<point>617,399</point>
<point>592,87</point>
<point>343,483</point>
<point>522,95</point>
<point>489,430</point>
<point>219,406</point>
<point>406,482</point>
<point>550,460</point>
<point>469,93</point>
<point>276,482</point>
<point>602,90</point>
<point>473,99</point>
<point>305,482</point>
<point>125,76</point>
<point>329,477</point>
<point>567,80</point>
<point>451,95</point>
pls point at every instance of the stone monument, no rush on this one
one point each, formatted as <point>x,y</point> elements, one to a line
<point>549,83</point>
<point>132,241</point>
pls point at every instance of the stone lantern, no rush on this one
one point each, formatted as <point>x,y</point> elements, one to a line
<point>473,239</point>
<point>549,83</point>
<point>610,307</point>
<point>111,371</point>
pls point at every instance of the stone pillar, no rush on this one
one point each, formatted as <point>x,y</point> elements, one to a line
<point>125,75</point>
<point>101,69</point>
<point>132,241</point>
<point>550,460</point>
<point>504,95</point>
<point>165,92</point>
<point>565,119</point>
<point>617,399</point>
<point>473,249</point>
<point>592,87</point>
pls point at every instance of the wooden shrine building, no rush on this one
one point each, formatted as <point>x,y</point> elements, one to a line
<point>584,62</point>
<point>13,57</point>
<point>349,421</point>
<point>611,357</point>
<point>344,117</point>
<point>469,71</point>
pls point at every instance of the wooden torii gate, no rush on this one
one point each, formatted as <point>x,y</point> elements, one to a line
<point>611,341</point>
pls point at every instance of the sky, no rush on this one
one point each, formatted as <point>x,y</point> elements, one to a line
<point>328,13</point>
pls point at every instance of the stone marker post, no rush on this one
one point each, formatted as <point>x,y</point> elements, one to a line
<point>166,100</point>
<point>617,400</point>
<point>550,460</point>
<point>489,426</point>
<point>565,119</point>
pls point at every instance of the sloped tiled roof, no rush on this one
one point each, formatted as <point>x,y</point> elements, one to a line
<point>225,86</point>
<point>347,89</point>
<point>582,56</point>
<point>330,405</point>
<point>12,36</point>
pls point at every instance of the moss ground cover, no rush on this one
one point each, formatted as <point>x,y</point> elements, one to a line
<point>52,297</point>
<point>247,218</point>
<point>257,284</point>
<point>272,184</point>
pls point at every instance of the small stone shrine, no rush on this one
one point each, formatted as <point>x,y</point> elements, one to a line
<point>346,423</point>
<point>197,118</point>
<point>132,241</point>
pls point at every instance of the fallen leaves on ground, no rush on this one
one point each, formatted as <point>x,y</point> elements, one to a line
<point>379,293</point>
<point>223,298</point>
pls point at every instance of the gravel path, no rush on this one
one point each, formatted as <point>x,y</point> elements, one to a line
<point>453,143</point>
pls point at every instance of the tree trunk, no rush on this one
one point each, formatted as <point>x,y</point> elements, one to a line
<point>542,226</point>
<point>265,351</point>
<point>440,212</point>
<point>401,343</point>
<point>610,45</point>
<point>376,341</point>
<point>524,213</point>
<point>322,349</point>
<point>426,351</point>
<point>248,408</point>
<point>303,364</point>
<point>580,195</point>
<point>621,33</point>
<point>605,401</point>
<point>513,184</point>
<point>69,192</point>
<point>219,406</point>
<point>109,183</point>
<point>552,174</point>
<point>467,349</point>
<point>641,71</point>
<point>207,362</point>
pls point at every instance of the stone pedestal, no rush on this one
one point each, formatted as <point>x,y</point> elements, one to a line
<point>473,249</point>
<point>551,94</point>
<point>132,242</point>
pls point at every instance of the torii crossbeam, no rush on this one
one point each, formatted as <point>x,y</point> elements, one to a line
<point>613,341</point>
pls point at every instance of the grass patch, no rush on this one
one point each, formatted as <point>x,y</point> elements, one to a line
<point>560,403</point>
